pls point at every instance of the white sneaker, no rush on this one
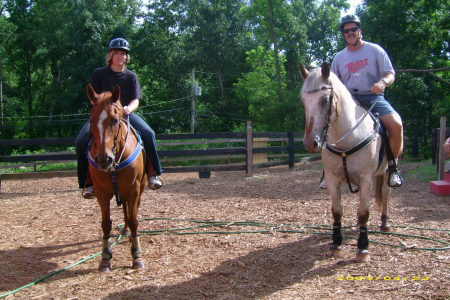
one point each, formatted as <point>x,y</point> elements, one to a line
<point>394,179</point>
<point>155,182</point>
<point>323,183</point>
<point>88,192</point>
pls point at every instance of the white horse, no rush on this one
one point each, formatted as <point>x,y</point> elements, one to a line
<point>350,144</point>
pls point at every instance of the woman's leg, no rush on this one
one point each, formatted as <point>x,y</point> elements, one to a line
<point>81,143</point>
<point>149,138</point>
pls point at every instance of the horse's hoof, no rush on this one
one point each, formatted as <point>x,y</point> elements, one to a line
<point>105,265</point>
<point>125,232</point>
<point>138,264</point>
<point>385,228</point>
<point>363,256</point>
<point>336,251</point>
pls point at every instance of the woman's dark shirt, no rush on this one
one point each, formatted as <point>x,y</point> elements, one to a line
<point>104,79</point>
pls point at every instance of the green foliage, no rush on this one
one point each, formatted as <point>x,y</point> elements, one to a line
<point>245,56</point>
<point>415,35</point>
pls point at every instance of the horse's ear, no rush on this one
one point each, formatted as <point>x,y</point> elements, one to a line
<point>303,71</point>
<point>116,93</point>
<point>325,71</point>
<point>91,94</point>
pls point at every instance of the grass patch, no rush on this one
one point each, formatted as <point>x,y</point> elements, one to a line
<point>424,171</point>
<point>42,168</point>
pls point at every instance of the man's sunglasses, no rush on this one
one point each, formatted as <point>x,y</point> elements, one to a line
<point>353,29</point>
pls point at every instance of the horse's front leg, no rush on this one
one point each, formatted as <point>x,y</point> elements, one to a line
<point>136,252</point>
<point>363,217</point>
<point>105,263</point>
<point>336,210</point>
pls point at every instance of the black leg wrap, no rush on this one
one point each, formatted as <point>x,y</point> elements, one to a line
<point>107,254</point>
<point>337,234</point>
<point>363,240</point>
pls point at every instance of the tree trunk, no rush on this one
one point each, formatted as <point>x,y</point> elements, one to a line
<point>275,49</point>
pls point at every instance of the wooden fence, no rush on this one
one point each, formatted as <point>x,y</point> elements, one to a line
<point>200,152</point>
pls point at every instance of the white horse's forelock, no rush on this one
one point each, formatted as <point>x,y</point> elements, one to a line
<point>314,82</point>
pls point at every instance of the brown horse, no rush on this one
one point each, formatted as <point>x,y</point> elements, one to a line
<point>116,168</point>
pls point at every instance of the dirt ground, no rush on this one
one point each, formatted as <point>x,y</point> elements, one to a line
<point>49,229</point>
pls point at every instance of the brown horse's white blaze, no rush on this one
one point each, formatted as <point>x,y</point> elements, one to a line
<point>101,128</point>
<point>109,134</point>
<point>332,118</point>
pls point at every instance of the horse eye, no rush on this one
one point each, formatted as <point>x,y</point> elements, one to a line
<point>325,100</point>
<point>115,121</point>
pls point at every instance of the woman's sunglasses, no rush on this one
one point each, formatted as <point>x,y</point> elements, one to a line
<point>353,29</point>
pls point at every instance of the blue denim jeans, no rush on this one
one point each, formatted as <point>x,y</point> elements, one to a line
<point>148,137</point>
<point>382,107</point>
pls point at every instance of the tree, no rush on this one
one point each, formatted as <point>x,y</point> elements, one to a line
<point>415,35</point>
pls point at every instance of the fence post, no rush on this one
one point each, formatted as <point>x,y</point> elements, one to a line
<point>442,134</point>
<point>291,149</point>
<point>249,144</point>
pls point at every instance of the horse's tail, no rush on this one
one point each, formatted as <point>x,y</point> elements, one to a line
<point>379,180</point>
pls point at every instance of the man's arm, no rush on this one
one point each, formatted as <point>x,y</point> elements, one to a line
<point>385,81</point>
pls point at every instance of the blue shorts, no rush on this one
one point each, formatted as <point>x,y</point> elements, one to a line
<point>382,107</point>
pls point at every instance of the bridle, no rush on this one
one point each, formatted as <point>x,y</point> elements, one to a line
<point>329,113</point>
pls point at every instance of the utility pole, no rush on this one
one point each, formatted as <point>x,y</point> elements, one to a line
<point>193,92</point>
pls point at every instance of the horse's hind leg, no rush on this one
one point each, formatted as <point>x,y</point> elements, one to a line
<point>382,194</point>
<point>136,251</point>
<point>125,230</point>
<point>105,264</point>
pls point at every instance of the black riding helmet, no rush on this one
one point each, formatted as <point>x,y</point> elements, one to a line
<point>349,19</point>
<point>119,43</point>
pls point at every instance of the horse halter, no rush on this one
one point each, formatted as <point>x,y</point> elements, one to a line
<point>114,148</point>
<point>325,129</point>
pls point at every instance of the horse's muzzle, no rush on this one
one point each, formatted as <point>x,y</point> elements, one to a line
<point>314,145</point>
<point>105,162</point>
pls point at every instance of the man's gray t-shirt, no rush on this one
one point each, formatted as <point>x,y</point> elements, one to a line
<point>360,69</point>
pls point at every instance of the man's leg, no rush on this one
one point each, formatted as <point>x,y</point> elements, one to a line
<point>394,127</point>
